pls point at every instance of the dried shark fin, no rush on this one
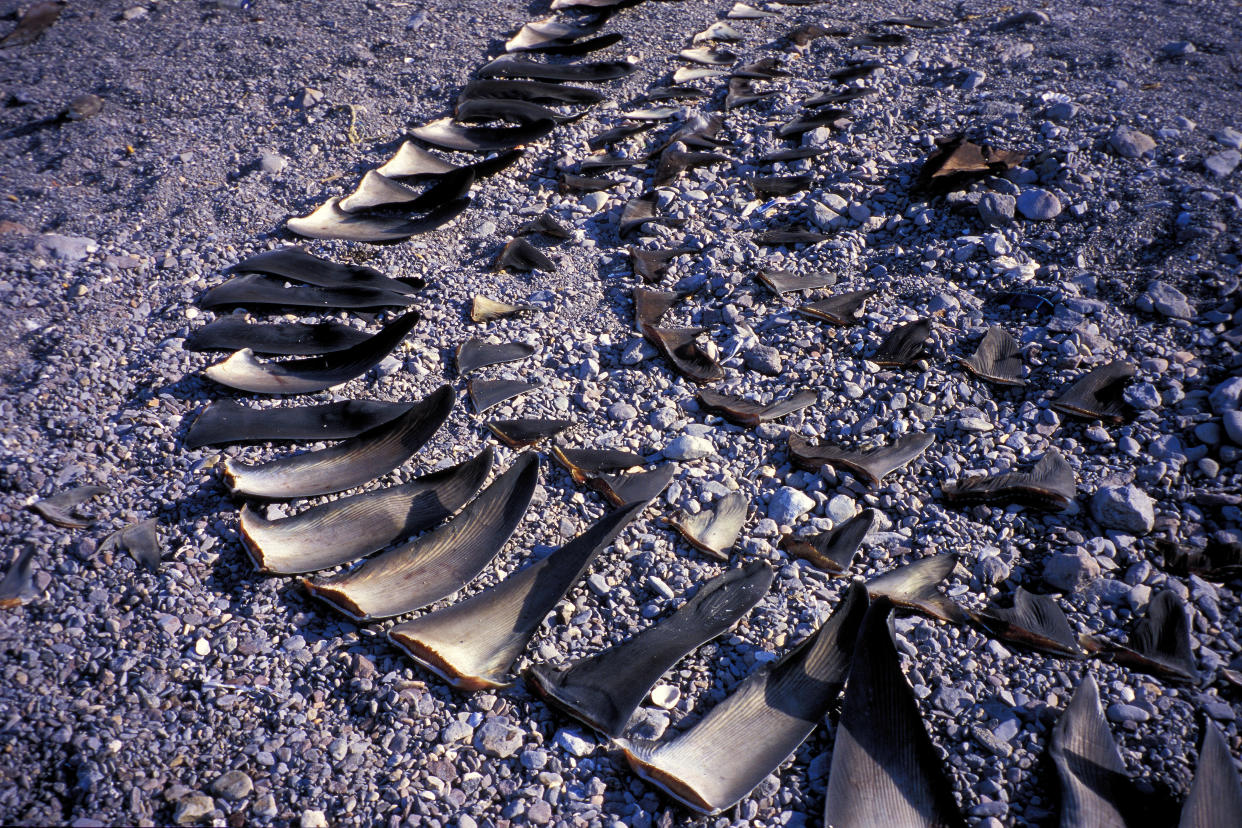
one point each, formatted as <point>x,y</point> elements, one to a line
<point>742,92</point>
<point>1094,784</point>
<point>483,309</point>
<point>718,31</point>
<point>742,11</point>
<point>775,186</point>
<point>18,582</point>
<point>510,67</point>
<point>1098,394</point>
<point>474,354</point>
<point>854,71</point>
<point>708,56</point>
<point>1215,798</point>
<point>376,190</point>
<point>714,530</point>
<point>62,509</point>
<point>485,394</point>
<point>840,309</point>
<point>844,96</point>
<point>1034,621</point>
<point>140,540</point>
<point>520,255</point>
<point>347,464</point>
<point>770,714</point>
<point>801,37</point>
<point>651,305</point>
<point>674,162</point>
<point>296,265</point>
<point>747,413</point>
<point>1160,642</point>
<point>997,359</point>
<point>673,93</point>
<point>230,333</point>
<point>444,133</point>
<point>956,162</point>
<point>548,32</point>
<point>914,587</point>
<point>224,422</point>
<point>774,238</point>
<point>412,161</point>
<point>782,281</point>
<point>885,769</point>
<point>473,644</point>
<point>303,376</point>
<point>767,68</point>
<point>872,465</point>
<point>619,133</point>
<point>440,562</point>
<point>685,74</point>
<point>651,265</point>
<point>832,551</point>
<point>638,211</point>
<point>831,118</point>
<point>256,290</point>
<point>792,154</point>
<point>345,530</point>
<point>582,183</point>
<point>329,221</point>
<point>1050,484</point>
<point>583,464</point>
<point>624,489</point>
<point>550,94</point>
<point>524,432</point>
<point>679,347</point>
<point>543,225</point>
<point>605,689</point>
<point>905,345</point>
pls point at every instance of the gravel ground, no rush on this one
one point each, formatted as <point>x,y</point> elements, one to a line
<point>206,692</point>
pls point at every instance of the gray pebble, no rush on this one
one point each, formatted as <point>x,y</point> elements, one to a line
<point>233,786</point>
<point>1039,205</point>
<point>997,209</point>
<point>764,359</point>
<point>1070,571</point>
<point>688,447</point>
<point>788,504</point>
<point>1127,508</point>
<point>1130,143</point>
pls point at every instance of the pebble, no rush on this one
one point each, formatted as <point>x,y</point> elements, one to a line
<point>1168,301</point>
<point>622,411</point>
<point>497,739</point>
<point>1039,205</point>
<point>193,808</point>
<point>1121,713</point>
<point>1130,143</point>
<point>763,359</point>
<point>1221,164</point>
<point>997,209</point>
<point>594,202</point>
<point>665,696</point>
<point>1232,422</point>
<point>789,504</point>
<point>1070,571</point>
<point>1227,396</point>
<point>312,818</point>
<point>65,248</point>
<point>689,447</point>
<point>840,508</point>
<point>1127,508</point>
<point>575,744</point>
<point>233,786</point>
<point>272,162</point>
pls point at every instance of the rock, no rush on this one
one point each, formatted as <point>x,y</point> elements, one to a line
<point>1039,205</point>
<point>665,696</point>
<point>1232,421</point>
<point>272,162</point>
<point>1229,137</point>
<point>840,508</point>
<point>539,812</point>
<point>314,819</point>
<point>996,209</point>
<point>457,731</point>
<point>1121,713</point>
<point>1169,301</point>
<point>992,570</point>
<point>1178,48</point>
<point>1222,164</point>
<point>533,758</point>
<point>65,248</point>
<point>309,98</point>
<point>497,739</point>
<point>1143,396</point>
<point>1070,571</point>
<point>233,786</point>
<point>574,743</point>
<point>1127,508</point>
<point>974,79</point>
<point>193,808</point>
<point>648,723</point>
<point>1227,396</point>
<point>265,806</point>
<point>763,359</point>
<point>1062,112</point>
<point>787,505</point>
<point>595,201</point>
<point>1130,143</point>
<point>622,411</point>
<point>688,447</point>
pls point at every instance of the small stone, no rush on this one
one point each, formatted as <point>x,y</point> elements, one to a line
<point>574,743</point>
<point>974,79</point>
<point>1222,164</point>
<point>309,98</point>
<point>416,21</point>
<point>598,584</point>
<point>991,570</point>
<point>1121,713</point>
<point>1070,571</point>
<point>1227,396</point>
<point>595,201</point>
<point>1169,301</point>
<point>996,209</point>
<point>1127,508</point>
<point>533,758</point>
<point>272,162</point>
<point>1130,143</point>
<point>1062,112</point>
<point>193,808</point>
<point>622,411</point>
<point>648,723</point>
<point>1178,48</point>
<point>65,248</point>
<point>498,740</point>
<point>233,786</point>
<point>688,447</point>
<point>265,806</point>
<point>1039,205</point>
<point>457,731</point>
<point>764,359</point>
<point>840,508</point>
<point>1229,137</point>
<point>665,696</point>
<point>1232,421</point>
<point>788,504</point>
<point>1143,396</point>
<point>539,812</point>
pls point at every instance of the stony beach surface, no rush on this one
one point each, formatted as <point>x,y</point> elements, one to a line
<point>204,692</point>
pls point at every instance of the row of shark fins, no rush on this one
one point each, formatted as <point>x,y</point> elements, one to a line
<point>513,102</point>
